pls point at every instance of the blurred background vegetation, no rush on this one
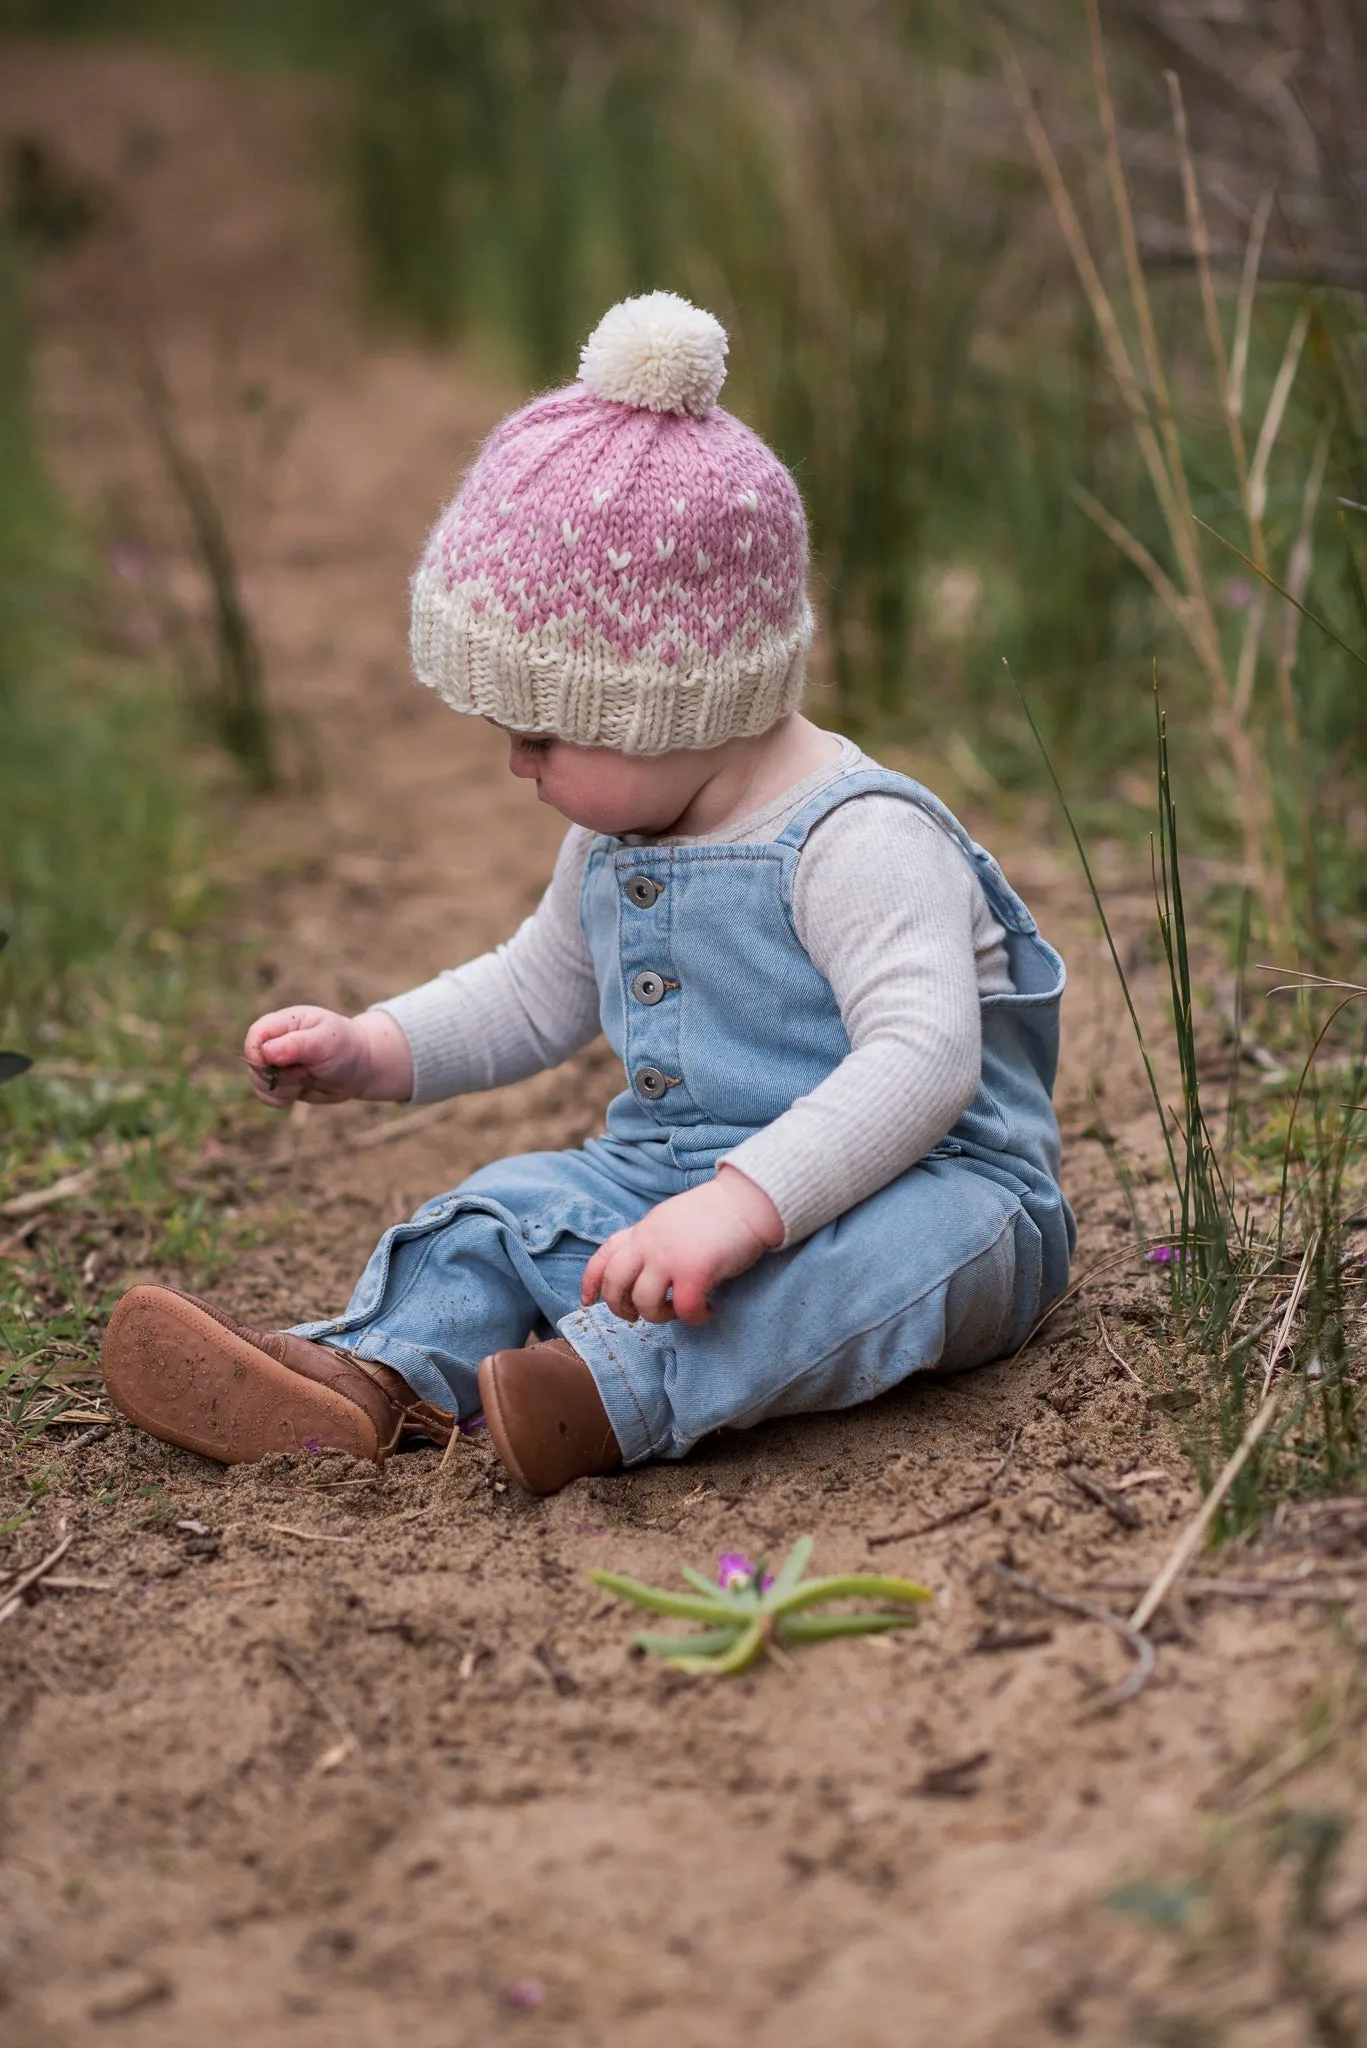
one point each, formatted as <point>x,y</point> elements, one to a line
<point>850,187</point>
<point>1072,370</point>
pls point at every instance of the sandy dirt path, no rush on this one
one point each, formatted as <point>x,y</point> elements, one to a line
<point>371,1761</point>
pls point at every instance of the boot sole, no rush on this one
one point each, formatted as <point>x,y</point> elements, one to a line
<point>178,1374</point>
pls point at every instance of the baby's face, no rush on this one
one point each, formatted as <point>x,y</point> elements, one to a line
<point>609,792</point>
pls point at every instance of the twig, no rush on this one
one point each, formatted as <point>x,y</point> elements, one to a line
<point>63,1190</point>
<point>1189,1542</point>
<point>287,1661</point>
<point>1139,1646</point>
<point>1240,1589</point>
<point>308,1535</point>
<point>14,1593</point>
<point>970,1507</point>
<point>1279,1342</point>
<point>1007,1455</point>
<point>1092,1273</point>
<point>451,1442</point>
<point>18,1237</point>
<point>1117,1507</point>
<point>86,1437</point>
<point>1123,1363</point>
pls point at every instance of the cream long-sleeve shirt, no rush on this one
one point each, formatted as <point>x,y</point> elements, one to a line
<point>887,909</point>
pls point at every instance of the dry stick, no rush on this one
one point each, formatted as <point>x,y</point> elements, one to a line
<point>961,1514</point>
<point>1279,1342</point>
<point>1123,1363</point>
<point>1117,1507</point>
<point>86,1437</point>
<point>62,1190</point>
<point>1139,1646</point>
<point>1189,1542</point>
<point>1240,1589</point>
<point>308,1535</point>
<point>287,1661</point>
<point>14,1593</point>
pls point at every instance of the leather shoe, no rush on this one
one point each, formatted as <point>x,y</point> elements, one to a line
<point>187,1373</point>
<point>546,1416</point>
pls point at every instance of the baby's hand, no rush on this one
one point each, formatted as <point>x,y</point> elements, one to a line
<point>312,1055</point>
<point>667,1264</point>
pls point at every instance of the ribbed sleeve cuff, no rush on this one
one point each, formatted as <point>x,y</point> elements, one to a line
<point>442,1064</point>
<point>798,1189</point>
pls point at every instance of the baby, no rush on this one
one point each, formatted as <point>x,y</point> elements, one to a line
<point>835,1161</point>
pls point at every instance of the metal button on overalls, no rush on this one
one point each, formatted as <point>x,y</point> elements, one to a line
<point>652,1083</point>
<point>642,891</point>
<point>649,987</point>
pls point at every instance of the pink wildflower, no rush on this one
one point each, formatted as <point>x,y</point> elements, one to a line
<point>734,1570</point>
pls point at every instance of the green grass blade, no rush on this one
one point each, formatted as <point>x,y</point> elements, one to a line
<point>687,1607</point>
<point>1100,909</point>
<point>1303,609</point>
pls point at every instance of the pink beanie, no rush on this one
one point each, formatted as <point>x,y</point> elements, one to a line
<point>625,565</point>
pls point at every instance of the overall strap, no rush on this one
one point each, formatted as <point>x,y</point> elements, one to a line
<point>1006,905</point>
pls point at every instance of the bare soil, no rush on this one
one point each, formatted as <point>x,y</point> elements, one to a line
<point>324,1756</point>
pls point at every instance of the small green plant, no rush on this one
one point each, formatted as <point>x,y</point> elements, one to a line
<point>745,1614</point>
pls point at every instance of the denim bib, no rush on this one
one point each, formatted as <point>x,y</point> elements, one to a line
<point>722,1022</point>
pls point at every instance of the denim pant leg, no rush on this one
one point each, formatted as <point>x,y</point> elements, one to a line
<point>943,1267</point>
<point>478,1270</point>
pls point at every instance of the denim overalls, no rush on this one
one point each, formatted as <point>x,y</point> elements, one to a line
<point>722,1021</point>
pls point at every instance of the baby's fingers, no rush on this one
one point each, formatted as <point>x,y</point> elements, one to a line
<point>650,1295</point>
<point>620,1273</point>
<point>278,1087</point>
<point>591,1286</point>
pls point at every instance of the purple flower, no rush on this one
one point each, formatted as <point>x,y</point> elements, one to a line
<point>524,1992</point>
<point>314,1444</point>
<point>127,562</point>
<point>735,1571</point>
<point>1161,1255</point>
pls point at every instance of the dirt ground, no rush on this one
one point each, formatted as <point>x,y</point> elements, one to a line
<point>331,1757</point>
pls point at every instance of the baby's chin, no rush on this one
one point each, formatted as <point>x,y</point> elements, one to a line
<point>613,824</point>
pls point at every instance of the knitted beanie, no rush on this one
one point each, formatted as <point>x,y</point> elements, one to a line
<point>625,565</point>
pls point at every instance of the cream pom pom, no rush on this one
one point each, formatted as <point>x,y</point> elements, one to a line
<point>657,352</point>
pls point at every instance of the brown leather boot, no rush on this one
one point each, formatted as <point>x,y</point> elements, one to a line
<point>546,1416</point>
<point>186,1372</point>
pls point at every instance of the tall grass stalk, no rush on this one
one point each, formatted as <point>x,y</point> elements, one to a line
<point>1185,587</point>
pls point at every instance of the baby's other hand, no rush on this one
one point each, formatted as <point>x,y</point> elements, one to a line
<point>667,1264</point>
<point>310,1055</point>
